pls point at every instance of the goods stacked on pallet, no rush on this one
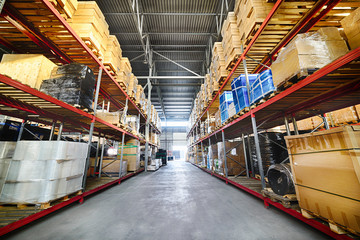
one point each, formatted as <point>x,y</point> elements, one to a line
<point>42,171</point>
<point>66,8</point>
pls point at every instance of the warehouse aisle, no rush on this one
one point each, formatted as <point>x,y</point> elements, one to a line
<point>178,201</point>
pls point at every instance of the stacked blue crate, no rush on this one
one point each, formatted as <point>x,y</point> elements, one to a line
<point>239,91</point>
<point>225,100</point>
<point>262,86</point>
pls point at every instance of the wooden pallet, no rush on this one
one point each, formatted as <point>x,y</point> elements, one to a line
<point>287,200</point>
<point>43,205</point>
<point>335,227</point>
<point>300,75</point>
<point>264,99</point>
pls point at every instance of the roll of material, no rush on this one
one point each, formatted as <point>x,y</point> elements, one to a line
<point>281,179</point>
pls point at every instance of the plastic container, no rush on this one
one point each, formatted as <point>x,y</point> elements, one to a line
<point>262,86</point>
<point>239,91</point>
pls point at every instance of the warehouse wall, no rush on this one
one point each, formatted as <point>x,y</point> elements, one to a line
<point>174,139</point>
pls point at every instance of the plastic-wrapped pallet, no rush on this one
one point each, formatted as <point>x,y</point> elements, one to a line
<point>6,153</point>
<point>308,52</point>
<point>110,117</point>
<point>270,149</point>
<point>226,99</point>
<point>132,155</point>
<point>41,171</point>
<point>239,91</point>
<point>262,86</point>
<point>72,83</point>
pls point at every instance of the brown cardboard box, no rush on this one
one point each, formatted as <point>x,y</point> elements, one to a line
<point>29,69</point>
<point>326,169</point>
<point>345,115</point>
<point>66,8</point>
<point>110,117</point>
<point>308,51</point>
<point>235,153</point>
<point>351,25</point>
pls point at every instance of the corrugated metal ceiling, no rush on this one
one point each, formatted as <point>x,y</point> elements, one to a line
<point>179,30</point>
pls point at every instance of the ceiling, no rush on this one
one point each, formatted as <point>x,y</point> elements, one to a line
<point>179,30</point>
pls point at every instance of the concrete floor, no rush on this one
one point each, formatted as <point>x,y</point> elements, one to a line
<point>178,201</point>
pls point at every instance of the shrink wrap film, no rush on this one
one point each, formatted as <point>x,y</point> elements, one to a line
<point>41,171</point>
<point>72,83</point>
<point>308,51</point>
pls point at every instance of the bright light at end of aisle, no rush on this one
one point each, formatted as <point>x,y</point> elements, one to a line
<point>174,123</point>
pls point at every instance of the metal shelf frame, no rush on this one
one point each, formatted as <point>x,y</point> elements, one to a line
<point>21,101</point>
<point>342,93</point>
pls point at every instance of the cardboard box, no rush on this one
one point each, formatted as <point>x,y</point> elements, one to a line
<point>29,69</point>
<point>326,169</point>
<point>351,25</point>
<point>110,117</point>
<point>308,51</point>
<point>66,8</point>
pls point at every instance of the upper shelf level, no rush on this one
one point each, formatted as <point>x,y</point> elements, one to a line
<point>35,26</point>
<point>283,23</point>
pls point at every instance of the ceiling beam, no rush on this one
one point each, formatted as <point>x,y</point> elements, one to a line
<point>167,33</point>
<point>171,77</point>
<point>162,14</point>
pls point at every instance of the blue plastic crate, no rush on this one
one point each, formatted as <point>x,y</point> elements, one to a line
<point>225,100</point>
<point>262,86</point>
<point>239,91</point>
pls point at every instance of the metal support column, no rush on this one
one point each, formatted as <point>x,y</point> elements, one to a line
<point>97,154</point>
<point>148,121</point>
<point>60,131</point>
<point>250,156</point>
<point>287,126</point>
<point>52,131</point>
<point>202,152</point>
<point>253,122</point>
<point>225,158</point>
<point>326,124</point>
<point>21,130</point>
<point>121,154</point>
<point>295,125</point>
<point>92,127</point>
<point>102,156</point>
<point>246,161</point>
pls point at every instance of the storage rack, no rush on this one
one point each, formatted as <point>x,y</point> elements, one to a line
<point>35,26</point>
<point>332,87</point>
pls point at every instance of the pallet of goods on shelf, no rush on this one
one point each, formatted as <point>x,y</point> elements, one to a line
<point>226,98</point>
<point>123,76</point>
<point>114,118</point>
<point>66,8</point>
<point>351,28</point>
<point>132,155</point>
<point>231,42</point>
<point>218,67</point>
<point>132,88</point>
<point>207,88</point>
<point>111,165</point>
<point>214,85</point>
<point>306,53</point>
<point>250,14</point>
<point>132,123</point>
<point>262,87</point>
<point>235,157</point>
<point>72,83</point>
<point>42,171</point>
<point>327,175</point>
<point>113,54</point>
<point>89,23</point>
<point>29,69</point>
<point>140,95</point>
<point>240,93</point>
<point>272,150</point>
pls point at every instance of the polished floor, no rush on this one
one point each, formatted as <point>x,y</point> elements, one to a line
<point>179,201</point>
